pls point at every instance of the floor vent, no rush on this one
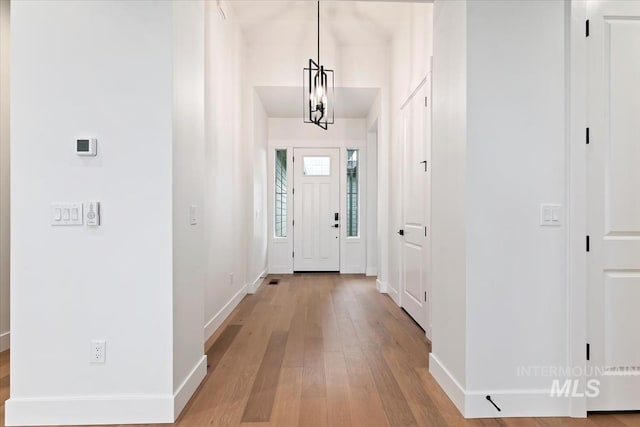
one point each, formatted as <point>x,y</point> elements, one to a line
<point>274,281</point>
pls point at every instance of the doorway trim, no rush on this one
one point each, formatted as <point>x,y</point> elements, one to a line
<point>576,196</point>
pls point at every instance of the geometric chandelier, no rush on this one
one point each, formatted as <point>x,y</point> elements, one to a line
<point>318,91</point>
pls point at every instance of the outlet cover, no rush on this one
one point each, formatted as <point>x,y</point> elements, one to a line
<point>97,351</point>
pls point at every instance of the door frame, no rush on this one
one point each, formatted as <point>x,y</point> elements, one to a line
<point>576,92</point>
<point>402,148</point>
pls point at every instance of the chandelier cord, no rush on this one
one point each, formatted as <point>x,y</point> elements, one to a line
<point>318,31</point>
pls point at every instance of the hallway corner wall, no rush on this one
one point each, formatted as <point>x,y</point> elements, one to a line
<point>449,139</point>
<point>4,175</point>
<point>227,168</point>
<point>257,215</point>
<point>188,180</point>
<point>499,152</point>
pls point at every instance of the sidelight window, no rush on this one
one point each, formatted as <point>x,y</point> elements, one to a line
<point>353,197</point>
<point>280,226</point>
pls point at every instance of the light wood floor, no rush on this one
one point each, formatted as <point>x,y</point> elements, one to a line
<point>326,350</point>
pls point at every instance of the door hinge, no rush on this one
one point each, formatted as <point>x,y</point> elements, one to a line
<point>293,159</point>
<point>588,246</point>
<point>586,24</point>
<point>425,101</point>
<point>587,136</point>
<point>425,165</point>
<point>425,296</point>
<point>293,254</point>
<point>293,191</point>
<point>425,232</point>
<point>293,223</point>
<point>588,351</point>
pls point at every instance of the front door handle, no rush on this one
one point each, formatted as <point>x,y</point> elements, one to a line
<point>335,226</point>
<point>401,232</point>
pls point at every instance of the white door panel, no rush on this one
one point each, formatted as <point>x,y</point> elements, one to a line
<point>613,217</point>
<point>316,201</point>
<point>416,198</point>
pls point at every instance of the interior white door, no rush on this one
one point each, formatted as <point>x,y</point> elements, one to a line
<point>316,194</point>
<point>613,157</point>
<point>416,197</point>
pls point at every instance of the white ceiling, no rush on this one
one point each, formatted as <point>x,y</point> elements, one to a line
<point>348,22</point>
<point>286,102</point>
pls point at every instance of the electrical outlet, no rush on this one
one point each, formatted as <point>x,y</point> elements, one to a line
<point>98,351</point>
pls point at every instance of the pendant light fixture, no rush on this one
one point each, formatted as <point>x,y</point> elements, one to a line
<point>318,90</point>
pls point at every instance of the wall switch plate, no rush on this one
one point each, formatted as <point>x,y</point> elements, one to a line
<point>98,351</point>
<point>66,214</point>
<point>550,215</point>
<point>93,214</point>
<point>193,215</point>
<point>231,279</point>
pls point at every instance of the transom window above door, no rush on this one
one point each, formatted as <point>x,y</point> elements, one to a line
<point>317,166</point>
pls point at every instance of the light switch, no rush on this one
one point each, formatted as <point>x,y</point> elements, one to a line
<point>66,214</point>
<point>193,215</point>
<point>550,215</point>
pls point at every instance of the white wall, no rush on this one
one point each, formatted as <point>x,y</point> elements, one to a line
<point>258,238</point>
<point>188,191</point>
<point>371,208</point>
<point>448,210</point>
<point>4,175</point>
<point>229,158</point>
<point>344,134</point>
<point>516,161</point>
<point>511,101</point>
<point>116,82</point>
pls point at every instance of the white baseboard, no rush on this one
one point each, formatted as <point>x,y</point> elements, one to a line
<point>253,286</point>
<point>355,269</point>
<point>280,270</point>
<point>127,409</point>
<point>512,403</point>
<point>188,387</point>
<point>214,323</point>
<point>393,293</point>
<point>381,287</point>
<point>5,341</point>
<point>449,384</point>
<point>516,403</point>
<point>371,271</point>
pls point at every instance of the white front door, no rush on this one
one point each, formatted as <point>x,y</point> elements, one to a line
<point>316,194</point>
<point>414,290</point>
<point>613,217</point>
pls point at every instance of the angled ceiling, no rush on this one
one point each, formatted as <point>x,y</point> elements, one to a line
<point>348,22</point>
<point>286,102</point>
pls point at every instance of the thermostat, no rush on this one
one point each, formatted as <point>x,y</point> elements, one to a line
<point>87,147</point>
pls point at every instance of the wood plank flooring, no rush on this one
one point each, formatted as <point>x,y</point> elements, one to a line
<point>326,350</point>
